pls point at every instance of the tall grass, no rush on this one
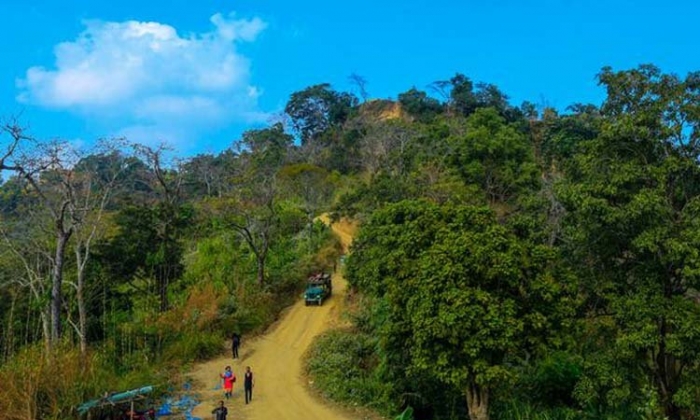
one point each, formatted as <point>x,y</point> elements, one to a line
<point>37,386</point>
<point>521,410</point>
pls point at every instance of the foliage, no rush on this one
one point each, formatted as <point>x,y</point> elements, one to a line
<point>494,155</point>
<point>419,105</point>
<point>340,364</point>
<point>466,293</point>
<point>635,234</point>
<point>318,108</point>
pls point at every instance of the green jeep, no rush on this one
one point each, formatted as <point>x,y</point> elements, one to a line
<point>318,288</point>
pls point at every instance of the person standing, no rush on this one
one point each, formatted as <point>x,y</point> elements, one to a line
<point>229,378</point>
<point>248,384</point>
<point>220,412</point>
<point>235,343</point>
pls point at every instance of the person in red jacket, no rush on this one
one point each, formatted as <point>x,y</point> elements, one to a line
<point>229,378</point>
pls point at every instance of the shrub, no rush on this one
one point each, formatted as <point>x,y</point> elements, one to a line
<point>341,365</point>
<point>194,346</point>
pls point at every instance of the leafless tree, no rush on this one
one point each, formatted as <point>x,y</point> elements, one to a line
<point>167,180</point>
<point>55,194</point>
<point>23,246</point>
<point>361,84</point>
<point>385,145</point>
<point>70,198</point>
<point>93,189</point>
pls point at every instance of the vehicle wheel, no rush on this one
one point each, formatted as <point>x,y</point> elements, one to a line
<point>320,302</point>
<point>306,303</point>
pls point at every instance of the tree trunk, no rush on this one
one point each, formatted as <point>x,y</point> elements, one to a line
<point>478,402</point>
<point>163,288</point>
<point>672,411</point>
<point>9,335</point>
<point>310,224</point>
<point>82,312</point>
<point>46,328</point>
<point>261,270</point>
<point>57,283</point>
<point>665,370</point>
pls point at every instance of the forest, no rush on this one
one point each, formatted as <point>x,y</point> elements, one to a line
<point>512,262</point>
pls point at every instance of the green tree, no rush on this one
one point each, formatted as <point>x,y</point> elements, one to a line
<point>467,294</point>
<point>633,214</point>
<point>493,155</point>
<point>204,176</point>
<point>311,186</point>
<point>459,92</point>
<point>419,105</point>
<point>317,108</point>
<point>251,205</point>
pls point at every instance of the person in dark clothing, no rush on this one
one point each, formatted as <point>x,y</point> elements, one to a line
<point>248,385</point>
<point>235,343</point>
<point>220,412</point>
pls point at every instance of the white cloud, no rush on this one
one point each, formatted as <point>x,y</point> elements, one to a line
<point>145,74</point>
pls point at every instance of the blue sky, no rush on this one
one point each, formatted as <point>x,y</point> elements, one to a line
<point>196,74</point>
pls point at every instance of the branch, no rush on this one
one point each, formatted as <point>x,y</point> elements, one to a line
<point>17,134</point>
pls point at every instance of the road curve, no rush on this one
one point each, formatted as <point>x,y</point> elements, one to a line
<point>276,358</point>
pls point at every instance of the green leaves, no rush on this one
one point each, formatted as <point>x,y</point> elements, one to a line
<point>317,108</point>
<point>464,290</point>
<point>493,155</point>
<point>634,218</point>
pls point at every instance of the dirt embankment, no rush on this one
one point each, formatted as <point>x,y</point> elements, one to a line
<point>276,358</point>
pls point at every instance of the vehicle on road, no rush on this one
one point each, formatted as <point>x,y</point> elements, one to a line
<point>318,288</point>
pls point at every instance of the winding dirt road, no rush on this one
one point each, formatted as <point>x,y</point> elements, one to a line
<point>281,391</point>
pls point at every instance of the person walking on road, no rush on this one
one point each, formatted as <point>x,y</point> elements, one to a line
<point>220,412</point>
<point>235,343</point>
<point>248,385</point>
<point>229,378</point>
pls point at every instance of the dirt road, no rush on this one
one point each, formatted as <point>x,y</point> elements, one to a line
<point>276,358</point>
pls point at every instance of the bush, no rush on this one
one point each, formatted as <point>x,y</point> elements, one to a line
<point>194,346</point>
<point>341,364</point>
<point>553,380</point>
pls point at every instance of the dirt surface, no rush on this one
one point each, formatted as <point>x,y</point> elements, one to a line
<point>276,359</point>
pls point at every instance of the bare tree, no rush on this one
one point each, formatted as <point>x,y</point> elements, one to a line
<point>384,147</point>
<point>167,180</point>
<point>25,247</point>
<point>442,88</point>
<point>204,175</point>
<point>46,172</point>
<point>70,197</point>
<point>16,138</point>
<point>252,210</point>
<point>96,180</point>
<point>361,84</point>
